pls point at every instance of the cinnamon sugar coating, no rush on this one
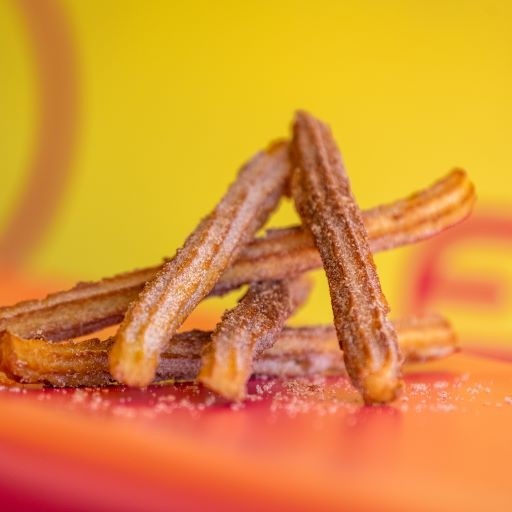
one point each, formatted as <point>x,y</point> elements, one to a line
<point>298,351</point>
<point>324,200</point>
<point>280,254</point>
<point>181,283</point>
<point>247,330</point>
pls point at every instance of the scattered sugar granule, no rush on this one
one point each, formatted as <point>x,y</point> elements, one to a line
<point>442,395</point>
<point>419,387</point>
<point>78,396</point>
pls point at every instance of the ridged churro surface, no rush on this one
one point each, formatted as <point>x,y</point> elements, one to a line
<point>322,194</point>
<point>297,351</point>
<point>247,330</point>
<point>184,281</point>
<point>281,254</point>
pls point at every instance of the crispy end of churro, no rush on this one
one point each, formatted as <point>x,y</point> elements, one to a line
<point>184,281</point>
<point>322,194</point>
<point>423,214</point>
<point>68,363</point>
<point>6,381</point>
<point>281,254</point>
<point>247,330</point>
<point>298,351</point>
<point>426,338</point>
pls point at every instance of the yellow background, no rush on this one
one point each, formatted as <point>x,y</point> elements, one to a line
<point>174,96</point>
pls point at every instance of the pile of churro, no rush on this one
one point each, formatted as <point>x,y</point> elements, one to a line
<point>44,342</point>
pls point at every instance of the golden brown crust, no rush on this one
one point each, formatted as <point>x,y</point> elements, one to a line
<point>421,215</point>
<point>297,351</point>
<point>247,330</point>
<point>184,281</point>
<point>280,254</point>
<point>7,382</point>
<point>322,194</point>
<point>425,338</point>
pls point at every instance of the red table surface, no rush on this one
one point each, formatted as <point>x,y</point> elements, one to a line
<point>304,444</point>
<point>445,445</point>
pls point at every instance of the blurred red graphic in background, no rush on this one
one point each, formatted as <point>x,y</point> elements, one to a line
<point>55,136</point>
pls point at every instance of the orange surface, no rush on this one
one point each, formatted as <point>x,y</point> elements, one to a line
<point>294,445</point>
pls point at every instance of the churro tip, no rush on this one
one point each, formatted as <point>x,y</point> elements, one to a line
<point>459,171</point>
<point>133,369</point>
<point>463,176</point>
<point>233,391</point>
<point>275,145</point>
<point>380,388</point>
<point>301,113</point>
<point>217,378</point>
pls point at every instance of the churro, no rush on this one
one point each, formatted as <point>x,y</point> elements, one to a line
<point>184,281</point>
<point>322,194</point>
<point>247,330</point>
<point>297,351</point>
<point>281,254</point>
<point>421,215</point>
<point>38,344</point>
<point>6,382</point>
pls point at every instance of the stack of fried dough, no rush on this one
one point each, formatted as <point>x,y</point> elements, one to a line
<point>39,344</point>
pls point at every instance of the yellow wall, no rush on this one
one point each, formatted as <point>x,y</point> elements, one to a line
<point>172,96</point>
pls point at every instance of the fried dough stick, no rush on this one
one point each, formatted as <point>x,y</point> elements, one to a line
<point>168,299</point>
<point>247,330</point>
<point>281,254</point>
<point>298,351</point>
<point>322,194</point>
